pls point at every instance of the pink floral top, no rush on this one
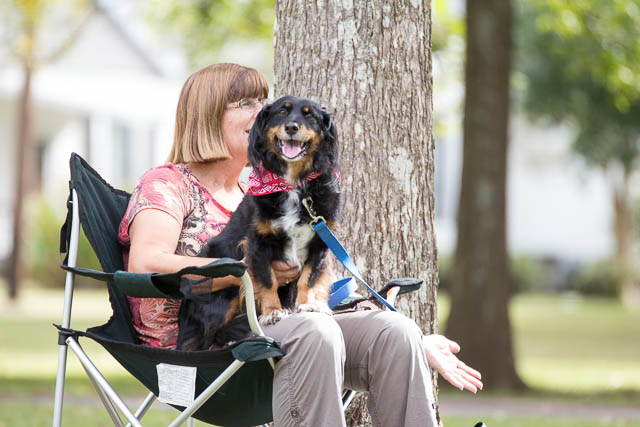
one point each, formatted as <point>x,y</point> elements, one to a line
<point>172,189</point>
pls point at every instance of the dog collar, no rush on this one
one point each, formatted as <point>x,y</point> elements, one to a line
<point>267,182</point>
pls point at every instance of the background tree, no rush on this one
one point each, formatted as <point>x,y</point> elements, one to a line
<point>28,31</point>
<point>580,61</point>
<point>481,283</point>
<point>369,61</point>
<point>203,27</point>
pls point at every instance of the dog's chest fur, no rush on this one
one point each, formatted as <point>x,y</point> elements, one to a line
<point>299,233</point>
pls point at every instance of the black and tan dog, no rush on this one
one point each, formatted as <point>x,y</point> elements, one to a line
<point>293,149</point>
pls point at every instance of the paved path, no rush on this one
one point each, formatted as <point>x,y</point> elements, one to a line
<point>480,406</point>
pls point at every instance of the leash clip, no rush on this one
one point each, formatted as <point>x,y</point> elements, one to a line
<point>308,205</point>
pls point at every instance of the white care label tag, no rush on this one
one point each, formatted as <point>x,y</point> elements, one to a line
<point>177,384</point>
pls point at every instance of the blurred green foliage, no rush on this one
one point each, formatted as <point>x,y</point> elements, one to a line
<point>40,31</point>
<point>599,278</point>
<point>204,26</point>
<point>530,274</point>
<point>580,62</point>
<point>445,24</point>
<point>537,275</point>
<point>42,258</point>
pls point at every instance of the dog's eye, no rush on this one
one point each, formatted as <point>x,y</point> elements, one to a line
<point>283,112</point>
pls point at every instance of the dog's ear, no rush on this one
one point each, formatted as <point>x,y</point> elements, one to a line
<point>328,158</point>
<point>327,122</point>
<point>258,152</point>
<point>327,117</point>
<point>256,136</point>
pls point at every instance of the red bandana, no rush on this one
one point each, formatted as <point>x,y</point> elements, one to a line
<point>271,183</point>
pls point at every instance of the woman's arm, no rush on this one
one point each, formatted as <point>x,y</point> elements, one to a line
<point>154,237</point>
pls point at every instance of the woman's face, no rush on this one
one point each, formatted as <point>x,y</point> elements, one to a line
<point>236,125</point>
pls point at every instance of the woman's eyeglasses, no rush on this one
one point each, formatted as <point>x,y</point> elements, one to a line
<point>248,104</point>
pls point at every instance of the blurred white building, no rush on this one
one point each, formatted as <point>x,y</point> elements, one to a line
<point>557,207</point>
<point>109,98</point>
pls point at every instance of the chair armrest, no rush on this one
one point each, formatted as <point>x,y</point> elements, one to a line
<point>165,285</point>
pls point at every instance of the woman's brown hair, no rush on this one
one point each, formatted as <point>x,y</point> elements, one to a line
<point>203,100</point>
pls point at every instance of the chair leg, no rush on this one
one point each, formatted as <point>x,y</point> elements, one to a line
<point>102,382</point>
<point>66,311</point>
<point>60,378</point>
<point>144,406</point>
<point>108,404</point>
<point>207,393</point>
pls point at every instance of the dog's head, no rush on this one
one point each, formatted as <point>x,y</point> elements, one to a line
<point>293,137</point>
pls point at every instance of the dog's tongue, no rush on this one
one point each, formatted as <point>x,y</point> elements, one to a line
<point>291,150</point>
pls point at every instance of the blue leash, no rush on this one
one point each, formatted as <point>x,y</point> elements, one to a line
<point>319,225</point>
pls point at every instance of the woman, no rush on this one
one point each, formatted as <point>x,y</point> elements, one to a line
<point>177,207</point>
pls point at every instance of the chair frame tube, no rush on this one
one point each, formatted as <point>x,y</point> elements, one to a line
<point>66,313</point>
<point>102,383</point>
<point>252,316</point>
<point>108,404</point>
<point>208,392</point>
<point>144,406</point>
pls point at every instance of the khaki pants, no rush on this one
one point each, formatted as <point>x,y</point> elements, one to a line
<point>370,350</point>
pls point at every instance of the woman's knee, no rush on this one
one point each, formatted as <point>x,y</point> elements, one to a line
<point>316,331</point>
<point>396,329</point>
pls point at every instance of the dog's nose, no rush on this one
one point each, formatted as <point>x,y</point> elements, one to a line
<point>291,128</point>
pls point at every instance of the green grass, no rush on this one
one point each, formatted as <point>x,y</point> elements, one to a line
<point>581,344</point>
<point>30,415</point>
<point>30,353</point>
<point>567,348</point>
<point>572,345</point>
<point>535,422</point>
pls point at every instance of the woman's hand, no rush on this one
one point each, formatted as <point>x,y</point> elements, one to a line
<point>285,272</point>
<point>440,356</point>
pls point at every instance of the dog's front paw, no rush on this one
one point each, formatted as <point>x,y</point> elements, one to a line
<point>273,317</point>
<point>314,308</point>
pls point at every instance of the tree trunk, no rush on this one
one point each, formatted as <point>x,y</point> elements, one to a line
<point>623,228</point>
<point>369,61</point>
<point>25,167</point>
<point>481,286</point>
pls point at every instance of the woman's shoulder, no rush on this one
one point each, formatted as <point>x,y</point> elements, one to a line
<point>168,171</point>
<point>169,175</point>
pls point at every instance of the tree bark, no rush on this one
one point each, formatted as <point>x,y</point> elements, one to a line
<point>369,61</point>
<point>481,284</point>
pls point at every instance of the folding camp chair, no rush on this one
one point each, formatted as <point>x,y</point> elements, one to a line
<point>244,395</point>
<point>240,375</point>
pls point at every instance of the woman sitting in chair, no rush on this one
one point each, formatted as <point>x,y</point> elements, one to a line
<point>177,207</point>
